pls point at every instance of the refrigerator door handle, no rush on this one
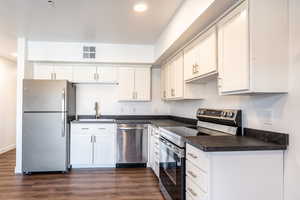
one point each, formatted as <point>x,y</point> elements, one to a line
<point>63,117</point>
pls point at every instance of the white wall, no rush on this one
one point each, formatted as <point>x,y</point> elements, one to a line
<point>184,17</point>
<point>8,81</point>
<point>107,96</point>
<point>269,112</point>
<point>106,53</point>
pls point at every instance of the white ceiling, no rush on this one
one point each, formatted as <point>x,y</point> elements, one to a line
<point>104,21</point>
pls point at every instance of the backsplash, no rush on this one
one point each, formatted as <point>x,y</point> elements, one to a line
<point>107,97</point>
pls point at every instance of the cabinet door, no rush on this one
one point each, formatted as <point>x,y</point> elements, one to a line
<point>178,77</point>
<point>233,43</point>
<point>104,148</point>
<point>207,50</point>
<point>43,71</point>
<point>171,80</point>
<point>63,73</point>
<point>142,84</point>
<point>163,91</point>
<point>126,84</point>
<point>81,149</point>
<point>189,61</point>
<point>84,74</point>
<point>107,74</point>
<point>168,86</point>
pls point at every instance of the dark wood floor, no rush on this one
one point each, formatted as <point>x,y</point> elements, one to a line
<point>110,184</point>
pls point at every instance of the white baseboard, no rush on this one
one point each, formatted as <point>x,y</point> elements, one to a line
<point>8,148</point>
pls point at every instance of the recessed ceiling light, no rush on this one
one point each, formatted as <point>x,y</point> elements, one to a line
<point>140,7</point>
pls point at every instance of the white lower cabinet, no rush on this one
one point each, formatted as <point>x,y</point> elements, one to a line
<point>93,145</point>
<point>154,149</point>
<point>81,149</point>
<point>245,175</point>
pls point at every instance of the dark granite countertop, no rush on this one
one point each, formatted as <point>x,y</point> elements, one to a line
<point>253,140</point>
<point>156,120</point>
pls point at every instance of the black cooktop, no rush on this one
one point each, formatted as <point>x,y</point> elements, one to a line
<point>187,131</point>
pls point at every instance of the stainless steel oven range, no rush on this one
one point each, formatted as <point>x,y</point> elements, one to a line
<point>211,122</point>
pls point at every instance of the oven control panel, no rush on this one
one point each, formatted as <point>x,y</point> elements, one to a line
<point>222,114</point>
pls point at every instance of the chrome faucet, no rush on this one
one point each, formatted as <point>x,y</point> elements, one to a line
<point>97,110</point>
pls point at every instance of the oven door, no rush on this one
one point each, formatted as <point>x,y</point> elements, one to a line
<point>172,167</point>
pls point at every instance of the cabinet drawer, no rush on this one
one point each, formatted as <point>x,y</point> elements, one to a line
<point>104,129</point>
<point>198,176</point>
<point>197,157</point>
<point>81,129</point>
<point>194,191</point>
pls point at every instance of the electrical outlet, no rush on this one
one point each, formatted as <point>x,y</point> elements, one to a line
<point>266,116</point>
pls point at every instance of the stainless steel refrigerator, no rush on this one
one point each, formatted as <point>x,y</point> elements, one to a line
<point>48,107</point>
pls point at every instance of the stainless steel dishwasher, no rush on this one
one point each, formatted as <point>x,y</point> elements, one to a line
<point>132,145</point>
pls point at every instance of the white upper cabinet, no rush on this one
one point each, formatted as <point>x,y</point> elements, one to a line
<point>134,83</point>
<point>200,57</point>
<point>63,73</point>
<point>85,74</point>
<point>142,84</point>
<point>126,84</point>
<point>163,85</point>
<point>43,71</point>
<point>173,86</point>
<point>107,74</point>
<point>252,48</point>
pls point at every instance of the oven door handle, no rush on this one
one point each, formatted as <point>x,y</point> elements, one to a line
<point>178,152</point>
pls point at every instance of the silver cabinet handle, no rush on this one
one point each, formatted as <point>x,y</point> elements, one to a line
<point>101,128</point>
<point>63,116</point>
<point>136,95</point>
<point>54,74</point>
<point>133,95</point>
<point>192,155</point>
<point>91,139</point>
<point>95,76</point>
<point>95,139</point>
<point>192,174</point>
<point>84,128</point>
<point>192,192</point>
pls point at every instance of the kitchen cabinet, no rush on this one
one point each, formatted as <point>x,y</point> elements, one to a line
<point>95,74</point>
<point>93,145</point>
<point>105,146</point>
<point>252,48</point>
<point>85,74</point>
<point>63,73</point>
<point>163,83</point>
<point>229,175</point>
<point>81,149</point>
<point>134,83</point>
<point>200,57</point>
<point>173,86</point>
<point>44,71</point>
<point>154,149</point>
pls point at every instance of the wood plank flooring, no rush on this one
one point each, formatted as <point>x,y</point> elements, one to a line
<point>103,184</point>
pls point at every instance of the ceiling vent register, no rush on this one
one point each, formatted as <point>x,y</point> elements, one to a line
<point>89,52</point>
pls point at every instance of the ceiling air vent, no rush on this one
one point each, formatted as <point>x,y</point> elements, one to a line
<point>89,52</point>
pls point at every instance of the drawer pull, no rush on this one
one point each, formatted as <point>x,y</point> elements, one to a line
<point>84,128</point>
<point>192,192</point>
<point>192,174</point>
<point>192,155</point>
<point>102,128</point>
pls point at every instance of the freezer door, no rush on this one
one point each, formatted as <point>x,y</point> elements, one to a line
<point>45,142</point>
<point>45,96</point>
